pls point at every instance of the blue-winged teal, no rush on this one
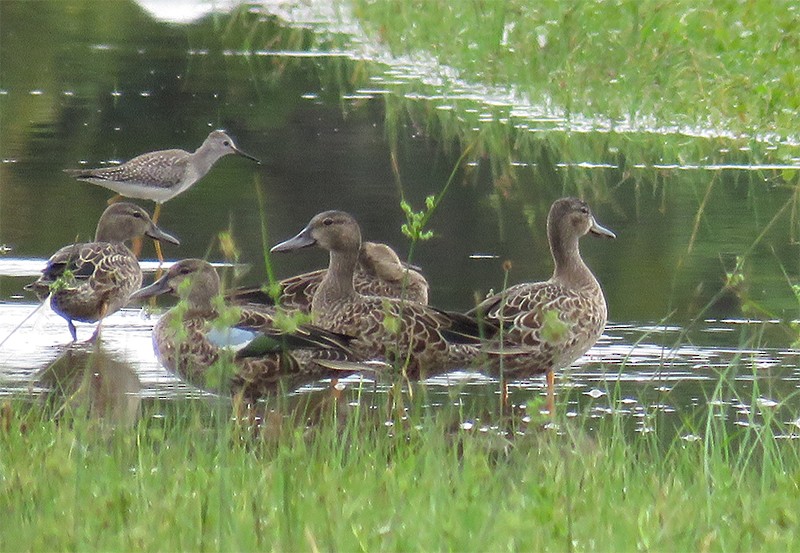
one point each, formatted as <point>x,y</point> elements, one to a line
<point>88,281</point>
<point>423,340</point>
<point>550,324</point>
<point>160,176</point>
<point>379,273</point>
<point>191,337</point>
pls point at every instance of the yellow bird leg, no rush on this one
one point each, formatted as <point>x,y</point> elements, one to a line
<point>505,408</point>
<point>159,255</point>
<point>156,213</point>
<point>551,393</point>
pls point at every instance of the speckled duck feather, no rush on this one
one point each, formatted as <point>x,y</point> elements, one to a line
<point>182,344</point>
<point>548,325</point>
<point>88,281</point>
<point>409,335</point>
<point>378,273</point>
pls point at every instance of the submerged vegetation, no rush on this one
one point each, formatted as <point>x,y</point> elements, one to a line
<point>601,97</point>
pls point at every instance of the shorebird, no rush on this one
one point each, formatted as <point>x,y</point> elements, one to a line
<point>160,176</point>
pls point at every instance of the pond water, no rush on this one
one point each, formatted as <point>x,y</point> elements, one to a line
<point>341,124</point>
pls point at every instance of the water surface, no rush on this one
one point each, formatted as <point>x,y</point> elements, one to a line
<point>331,114</point>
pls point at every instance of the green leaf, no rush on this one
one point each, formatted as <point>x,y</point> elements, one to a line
<point>391,322</point>
<point>66,280</point>
<point>554,330</point>
<point>219,374</point>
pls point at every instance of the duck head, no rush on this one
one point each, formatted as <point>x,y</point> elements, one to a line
<point>335,231</point>
<point>193,280</point>
<point>125,221</point>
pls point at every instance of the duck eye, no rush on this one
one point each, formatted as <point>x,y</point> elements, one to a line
<point>585,210</point>
<point>226,143</point>
<point>327,222</point>
<point>137,214</point>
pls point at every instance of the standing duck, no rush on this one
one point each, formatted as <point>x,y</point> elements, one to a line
<point>88,281</point>
<point>193,337</point>
<point>379,273</point>
<point>420,339</point>
<point>550,324</point>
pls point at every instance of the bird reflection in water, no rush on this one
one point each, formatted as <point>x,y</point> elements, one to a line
<point>87,378</point>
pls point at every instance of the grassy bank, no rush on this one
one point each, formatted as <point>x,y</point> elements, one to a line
<point>724,65</point>
<point>188,478</point>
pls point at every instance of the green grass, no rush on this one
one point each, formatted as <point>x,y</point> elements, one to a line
<point>726,64</point>
<point>187,477</point>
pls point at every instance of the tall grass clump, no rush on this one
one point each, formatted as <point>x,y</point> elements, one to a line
<point>725,64</point>
<point>194,477</point>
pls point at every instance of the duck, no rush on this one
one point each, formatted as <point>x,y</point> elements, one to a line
<point>264,355</point>
<point>379,272</point>
<point>418,339</point>
<point>88,281</point>
<point>550,324</point>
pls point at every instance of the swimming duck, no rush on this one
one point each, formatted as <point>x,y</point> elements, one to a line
<point>192,337</point>
<point>422,340</point>
<point>379,273</point>
<point>550,324</point>
<point>89,281</point>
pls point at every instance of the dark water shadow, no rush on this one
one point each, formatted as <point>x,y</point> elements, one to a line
<point>86,378</point>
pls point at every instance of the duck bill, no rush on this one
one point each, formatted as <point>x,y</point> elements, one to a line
<point>159,287</point>
<point>157,234</point>
<point>599,230</point>
<point>238,152</point>
<point>302,240</point>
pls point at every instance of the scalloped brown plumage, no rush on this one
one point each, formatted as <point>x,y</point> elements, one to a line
<point>379,273</point>
<point>550,324</point>
<point>88,281</point>
<point>421,339</point>
<point>182,338</point>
